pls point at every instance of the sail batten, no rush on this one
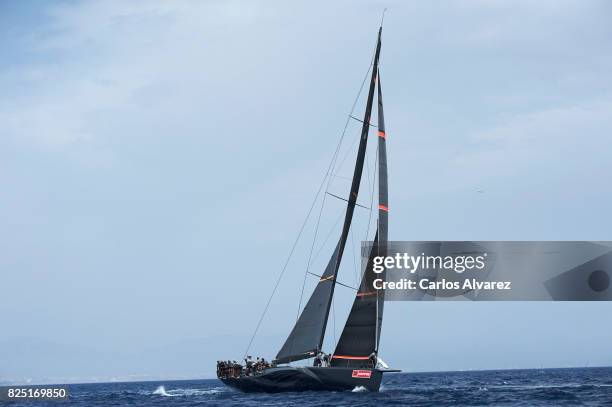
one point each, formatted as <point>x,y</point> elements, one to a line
<point>308,333</point>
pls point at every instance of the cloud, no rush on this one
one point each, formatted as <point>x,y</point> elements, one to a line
<point>137,60</point>
<point>112,57</point>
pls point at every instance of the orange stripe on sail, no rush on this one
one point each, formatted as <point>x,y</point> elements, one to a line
<point>350,357</point>
<point>326,278</point>
<point>382,134</point>
<point>366,294</point>
<point>383,207</point>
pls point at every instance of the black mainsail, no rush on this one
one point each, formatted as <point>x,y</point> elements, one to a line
<point>361,334</point>
<point>306,337</point>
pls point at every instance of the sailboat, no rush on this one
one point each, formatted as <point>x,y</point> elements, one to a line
<point>355,362</point>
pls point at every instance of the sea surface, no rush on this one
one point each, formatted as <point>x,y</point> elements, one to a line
<point>534,387</point>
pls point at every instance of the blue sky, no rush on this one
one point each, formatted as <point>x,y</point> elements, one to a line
<point>157,158</point>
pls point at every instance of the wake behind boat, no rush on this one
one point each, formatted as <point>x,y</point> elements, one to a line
<point>355,361</point>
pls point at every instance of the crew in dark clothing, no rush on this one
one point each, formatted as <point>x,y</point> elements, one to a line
<point>249,365</point>
<point>318,360</point>
<point>372,360</point>
<point>231,368</point>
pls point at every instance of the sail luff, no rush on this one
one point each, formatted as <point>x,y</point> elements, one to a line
<point>309,331</point>
<point>383,208</point>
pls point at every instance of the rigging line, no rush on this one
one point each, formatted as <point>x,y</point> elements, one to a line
<point>365,78</point>
<point>370,191</point>
<point>280,276</point>
<point>286,264</point>
<point>363,151</point>
<point>371,188</point>
<point>337,282</point>
<point>348,152</point>
<point>314,239</point>
<point>346,200</point>
<point>341,177</point>
<point>372,66</point>
<point>330,172</point>
<point>327,237</point>
<point>360,121</point>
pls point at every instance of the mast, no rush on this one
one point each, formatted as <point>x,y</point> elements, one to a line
<point>358,169</point>
<point>361,334</point>
<point>306,337</point>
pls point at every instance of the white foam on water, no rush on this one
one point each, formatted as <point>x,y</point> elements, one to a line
<point>199,392</point>
<point>359,389</point>
<point>549,386</point>
<point>161,390</point>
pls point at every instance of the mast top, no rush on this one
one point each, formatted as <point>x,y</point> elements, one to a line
<point>382,19</point>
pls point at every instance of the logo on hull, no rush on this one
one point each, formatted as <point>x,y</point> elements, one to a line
<point>362,374</point>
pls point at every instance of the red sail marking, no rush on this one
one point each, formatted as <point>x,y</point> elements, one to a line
<point>350,357</point>
<point>366,294</point>
<point>362,374</point>
<point>382,134</point>
<point>383,207</point>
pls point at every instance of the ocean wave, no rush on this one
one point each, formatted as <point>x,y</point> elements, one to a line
<point>161,390</point>
<point>446,389</point>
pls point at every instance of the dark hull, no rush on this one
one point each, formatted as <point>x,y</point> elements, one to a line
<point>286,378</point>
